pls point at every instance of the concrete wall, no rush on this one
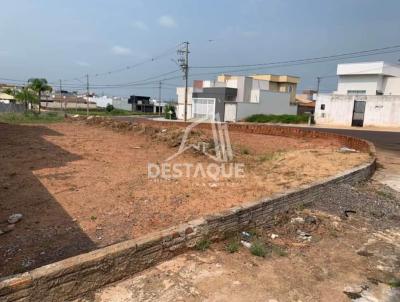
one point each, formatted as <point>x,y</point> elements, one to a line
<point>379,110</point>
<point>122,104</point>
<point>338,109</point>
<point>11,107</point>
<point>69,105</point>
<point>269,103</point>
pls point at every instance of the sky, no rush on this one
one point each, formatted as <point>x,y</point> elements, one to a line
<point>66,39</point>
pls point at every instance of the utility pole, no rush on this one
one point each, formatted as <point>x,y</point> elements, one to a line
<point>184,60</point>
<point>61,101</point>
<point>318,84</point>
<point>87,94</point>
<point>159,97</point>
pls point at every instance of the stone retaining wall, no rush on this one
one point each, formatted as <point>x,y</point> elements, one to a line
<point>72,277</point>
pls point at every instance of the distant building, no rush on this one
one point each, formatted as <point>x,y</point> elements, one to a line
<point>368,94</point>
<point>233,98</point>
<point>305,102</point>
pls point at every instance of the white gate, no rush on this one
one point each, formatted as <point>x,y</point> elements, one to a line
<point>230,112</point>
<point>204,108</point>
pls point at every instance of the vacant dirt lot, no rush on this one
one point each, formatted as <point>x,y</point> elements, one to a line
<point>80,187</point>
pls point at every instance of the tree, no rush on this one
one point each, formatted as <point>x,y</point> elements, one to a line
<point>26,96</point>
<point>39,86</point>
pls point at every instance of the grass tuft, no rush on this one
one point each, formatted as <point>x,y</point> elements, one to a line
<point>203,245</point>
<point>258,249</point>
<point>233,246</point>
<point>283,118</point>
<point>30,118</point>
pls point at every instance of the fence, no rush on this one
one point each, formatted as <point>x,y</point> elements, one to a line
<point>11,107</point>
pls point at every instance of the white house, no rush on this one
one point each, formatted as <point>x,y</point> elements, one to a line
<point>233,98</point>
<point>368,94</point>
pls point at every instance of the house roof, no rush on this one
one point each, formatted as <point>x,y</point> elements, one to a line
<point>303,100</point>
<point>5,96</point>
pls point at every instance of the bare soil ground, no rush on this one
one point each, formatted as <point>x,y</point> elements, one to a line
<point>348,258</point>
<point>80,187</point>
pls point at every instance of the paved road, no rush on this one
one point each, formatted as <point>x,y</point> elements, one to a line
<point>383,140</point>
<point>388,152</point>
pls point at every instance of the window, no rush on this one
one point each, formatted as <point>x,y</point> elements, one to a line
<point>322,106</point>
<point>356,92</point>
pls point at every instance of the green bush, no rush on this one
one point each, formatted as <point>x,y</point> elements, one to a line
<point>233,245</point>
<point>170,112</point>
<point>259,249</point>
<point>271,118</point>
<point>203,245</point>
<point>109,108</point>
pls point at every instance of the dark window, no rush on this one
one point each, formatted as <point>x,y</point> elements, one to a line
<point>322,106</point>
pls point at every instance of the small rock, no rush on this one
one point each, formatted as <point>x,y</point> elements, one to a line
<point>299,220</point>
<point>311,220</point>
<point>164,130</point>
<point>347,150</point>
<point>304,235</point>
<point>354,292</point>
<point>213,185</point>
<point>14,218</point>
<point>364,253</point>
<point>273,236</point>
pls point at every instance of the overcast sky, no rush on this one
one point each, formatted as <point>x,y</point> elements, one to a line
<point>66,39</point>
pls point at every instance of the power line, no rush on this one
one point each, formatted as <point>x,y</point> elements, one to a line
<point>129,67</point>
<point>366,52</point>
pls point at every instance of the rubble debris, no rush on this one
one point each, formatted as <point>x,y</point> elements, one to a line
<point>246,236</point>
<point>347,150</point>
<point>245,244</point>
<point>273,236</point>
<point>303,235</point>
<point>14,218</point>
<point>347,212</point>
<point>354,292</point>
<point>299,220</point>
<point>310,219</point>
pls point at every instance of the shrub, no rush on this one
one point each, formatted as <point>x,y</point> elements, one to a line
<point>109,108</point>
<point>233,245</point>
<point>283,118</point>
<point>203,245</point>
<point>259,249</point>
<point>170,112</point>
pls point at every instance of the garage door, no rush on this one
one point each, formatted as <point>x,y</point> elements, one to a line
<point>204,108</point>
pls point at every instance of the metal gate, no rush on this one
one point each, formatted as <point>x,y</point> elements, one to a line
<point>358,114</point>
<point>204,108</point>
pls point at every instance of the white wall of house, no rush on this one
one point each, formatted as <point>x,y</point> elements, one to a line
<point>368,78</point>
<point>368,83</point>
<point>334,110</point>
<point>180,107</point>
<point>180,111</point>
<point>379,110</point>
<point>391,86</point>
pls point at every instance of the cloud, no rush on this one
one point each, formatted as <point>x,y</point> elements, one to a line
<point>120,50</point>
<point>167,21</point>
<point>139,25</point>
<point>82,63</point>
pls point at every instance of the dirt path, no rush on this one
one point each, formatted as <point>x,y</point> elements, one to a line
<point>80,187</point>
